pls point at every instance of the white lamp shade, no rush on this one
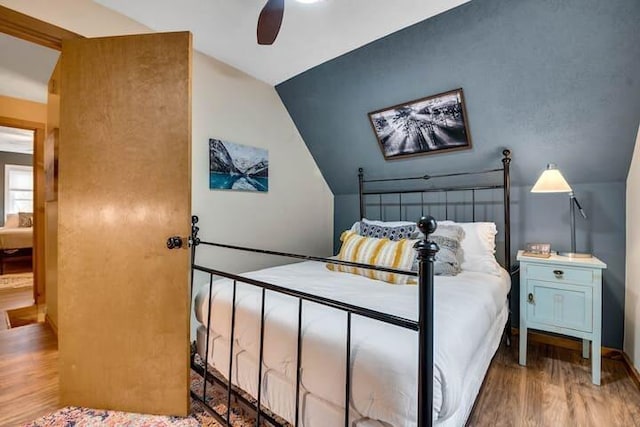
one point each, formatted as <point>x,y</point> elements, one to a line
<point>551,181</point>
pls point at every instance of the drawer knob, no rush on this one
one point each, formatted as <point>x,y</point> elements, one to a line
<point>530,298</point>
<point>558,273</point>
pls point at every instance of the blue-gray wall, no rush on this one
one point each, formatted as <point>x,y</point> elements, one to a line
<point>543,218</point>
<point>555,81</point>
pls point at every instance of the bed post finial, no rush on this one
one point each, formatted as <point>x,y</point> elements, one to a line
<point>506,155</point>
<point>193,239</point>
<point>427,224</point>
<point>426,256</point>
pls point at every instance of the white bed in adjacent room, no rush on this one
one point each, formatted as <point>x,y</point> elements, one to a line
<point>470,315</point>
<point>16,238</point>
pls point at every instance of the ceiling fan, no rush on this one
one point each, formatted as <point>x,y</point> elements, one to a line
<point>270,21</point>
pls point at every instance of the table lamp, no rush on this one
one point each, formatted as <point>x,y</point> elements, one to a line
<point>552,181</point>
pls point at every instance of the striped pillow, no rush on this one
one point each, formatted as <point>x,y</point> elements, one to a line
<point>381,252</point>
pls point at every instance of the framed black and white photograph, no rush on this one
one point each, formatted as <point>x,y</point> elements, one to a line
<point>237,167</point>
<point>430,125</point>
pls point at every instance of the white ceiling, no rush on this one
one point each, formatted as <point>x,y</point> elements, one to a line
<point>25,68</point>
<point>14,140</point>
<point>310,35</point>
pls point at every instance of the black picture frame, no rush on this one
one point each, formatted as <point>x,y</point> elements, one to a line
<point>431,125</point>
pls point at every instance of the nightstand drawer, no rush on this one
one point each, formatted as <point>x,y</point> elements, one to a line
<point>560,274</point>
<point>560,305</point>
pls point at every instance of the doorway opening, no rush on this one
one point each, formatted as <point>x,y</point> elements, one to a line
<point>25,69</point>
<point>17,291</point>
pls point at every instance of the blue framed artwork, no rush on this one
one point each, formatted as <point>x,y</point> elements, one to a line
<point>237,167</point>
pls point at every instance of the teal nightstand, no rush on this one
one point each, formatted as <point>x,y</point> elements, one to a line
<point>562,295</point>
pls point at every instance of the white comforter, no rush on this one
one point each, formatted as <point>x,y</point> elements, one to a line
<point>384,357</point>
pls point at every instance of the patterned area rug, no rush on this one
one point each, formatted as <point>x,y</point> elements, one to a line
<point>83,417</point>
<point>15,281</point>
<point>216,398</point>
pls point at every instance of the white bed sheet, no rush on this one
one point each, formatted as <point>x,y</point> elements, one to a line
<point>16,237</point>
<point>384,357</point>
<point>477,371</point>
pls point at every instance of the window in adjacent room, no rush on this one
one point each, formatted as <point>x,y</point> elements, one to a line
<point>18,189</point>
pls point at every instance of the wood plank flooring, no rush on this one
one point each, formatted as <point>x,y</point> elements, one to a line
<point>28,374</point>
<point>16,298</point>
<point>554,390</point>
<point>11,299</point>
<point>22,316</point>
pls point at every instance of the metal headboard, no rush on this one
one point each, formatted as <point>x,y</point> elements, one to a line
<point>402,201</point>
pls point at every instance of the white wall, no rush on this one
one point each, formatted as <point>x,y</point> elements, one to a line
<point>632,291</point>
<point>297,212</point>
<point>295,215</point>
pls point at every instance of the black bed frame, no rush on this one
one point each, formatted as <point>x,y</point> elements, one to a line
<point>424,326</point>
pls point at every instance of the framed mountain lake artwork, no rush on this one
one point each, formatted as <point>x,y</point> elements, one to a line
<point>237,167</point>
<point>435,124</point>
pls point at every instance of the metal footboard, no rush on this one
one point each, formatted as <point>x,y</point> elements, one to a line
<point>424,326</point>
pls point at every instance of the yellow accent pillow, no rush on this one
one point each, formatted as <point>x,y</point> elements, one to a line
<point>399,255</point>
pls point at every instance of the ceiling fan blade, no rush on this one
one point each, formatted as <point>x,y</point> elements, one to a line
<point>269,21</point>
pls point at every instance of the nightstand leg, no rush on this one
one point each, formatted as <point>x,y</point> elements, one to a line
<point>585,349</point>
<point>523,346</point>
<point>596,355</point>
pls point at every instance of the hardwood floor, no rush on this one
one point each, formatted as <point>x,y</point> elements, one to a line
<point>28,374</point>
<point>12,299</point>
<point>555,389</point>
<point>16,298</point>
<point>23,316</point>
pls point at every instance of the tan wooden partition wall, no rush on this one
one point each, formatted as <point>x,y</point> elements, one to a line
<point>117,164</point>
<point>124,187</point>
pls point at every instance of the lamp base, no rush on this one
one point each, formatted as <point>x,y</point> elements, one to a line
<point>575,255</point>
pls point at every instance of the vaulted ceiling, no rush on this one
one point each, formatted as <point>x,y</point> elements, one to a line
<point>310,35</point>
<point>554,81</point>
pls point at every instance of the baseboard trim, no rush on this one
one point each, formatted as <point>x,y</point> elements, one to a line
<point>568,343</point>
<point>52,325</point>
<point>635,375</point>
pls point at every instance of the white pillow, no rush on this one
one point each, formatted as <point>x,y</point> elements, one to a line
<point>478,247</point>
<point>12,221</point>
